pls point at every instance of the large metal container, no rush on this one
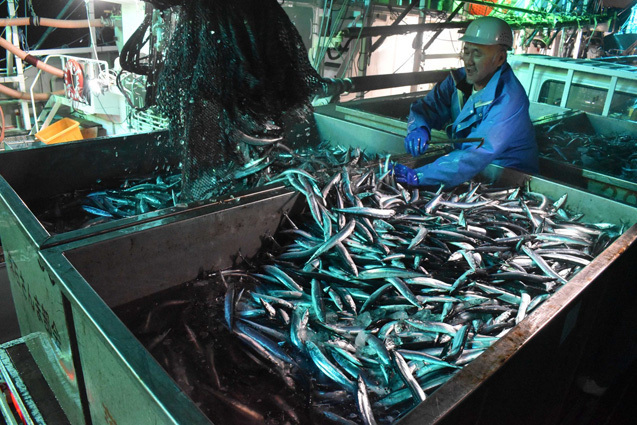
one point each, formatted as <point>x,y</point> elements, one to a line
<point>65,288</point>
<point>584,124</point>
<point>119,382</point>
<point>30,177</point>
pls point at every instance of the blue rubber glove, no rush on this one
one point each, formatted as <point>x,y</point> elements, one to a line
<point>405,174</point>
<point>417,142</point>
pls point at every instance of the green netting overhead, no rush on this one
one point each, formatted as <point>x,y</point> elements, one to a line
<point>232,68</point>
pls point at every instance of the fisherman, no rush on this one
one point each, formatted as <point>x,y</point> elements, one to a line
<point>482,100</point>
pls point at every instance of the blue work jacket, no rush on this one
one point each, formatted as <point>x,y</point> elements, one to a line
<point>499,113</point>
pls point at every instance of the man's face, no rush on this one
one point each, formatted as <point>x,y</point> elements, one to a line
<point>481,62</point>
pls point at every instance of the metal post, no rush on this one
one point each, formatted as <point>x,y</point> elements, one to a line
<point>315,39</point>
<point>530,79</point>
<point>560,49</point>
<point>578,43</point>
<point>366,45</point>
<point>19,70</point>
<point>12,36</point>
<point>609,95</point>
<point>567,88</point>
<point>90,14</point>
<point>418,53</point>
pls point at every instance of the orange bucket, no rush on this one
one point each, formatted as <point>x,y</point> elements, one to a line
<point>64,130</point>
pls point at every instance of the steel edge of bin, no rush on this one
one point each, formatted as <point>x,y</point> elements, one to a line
<point>101,335</point>
<point>149,217</point>
<point>11,202</point>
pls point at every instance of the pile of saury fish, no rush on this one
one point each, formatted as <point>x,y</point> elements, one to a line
<point>140,195</point>
<point>379,293</point>
<point>615,156</point>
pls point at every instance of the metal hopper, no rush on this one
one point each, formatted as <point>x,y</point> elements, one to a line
<point>118,376</point>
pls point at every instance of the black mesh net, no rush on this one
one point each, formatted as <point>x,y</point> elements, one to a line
<point>233,71</point>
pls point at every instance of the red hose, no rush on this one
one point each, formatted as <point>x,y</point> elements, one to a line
<point>31,59</point>
<point>48,22</point>
<point>26,96</point>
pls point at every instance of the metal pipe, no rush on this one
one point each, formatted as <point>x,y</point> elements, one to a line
<point>438,32</point>
<point>398,20</point>
<point>55,23</point>
<point>400,29</point>
<point>337,86</point>
<point>26,96</point>
<point>376,82</point>
<point>31,59</point>
<point>405,29</point>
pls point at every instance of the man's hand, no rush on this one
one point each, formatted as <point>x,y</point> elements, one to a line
<point>417,142</point>
<point>405,174</point>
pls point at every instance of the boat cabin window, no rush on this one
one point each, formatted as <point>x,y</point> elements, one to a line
<point>623,105</point>
<point>551,92</point>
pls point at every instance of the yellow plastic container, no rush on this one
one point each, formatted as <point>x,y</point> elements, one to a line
<point>65,130</point>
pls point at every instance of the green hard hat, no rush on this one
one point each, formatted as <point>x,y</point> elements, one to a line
<point>490,31</point>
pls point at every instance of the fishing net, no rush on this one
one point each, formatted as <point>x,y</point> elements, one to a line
<point>231,72</point>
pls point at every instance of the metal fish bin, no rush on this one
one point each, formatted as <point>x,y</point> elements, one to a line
<point>117,380</point>
<point>30,178</point>
<point>591,152</point>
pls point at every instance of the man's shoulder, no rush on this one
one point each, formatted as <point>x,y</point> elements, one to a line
<point>510,83</point>
<point>508,76</point>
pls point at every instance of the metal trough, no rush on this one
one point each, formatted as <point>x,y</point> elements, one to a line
<point>65,287</point>
<point>596,182</point>
<point>30,177</point>
<point>117,380</point>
